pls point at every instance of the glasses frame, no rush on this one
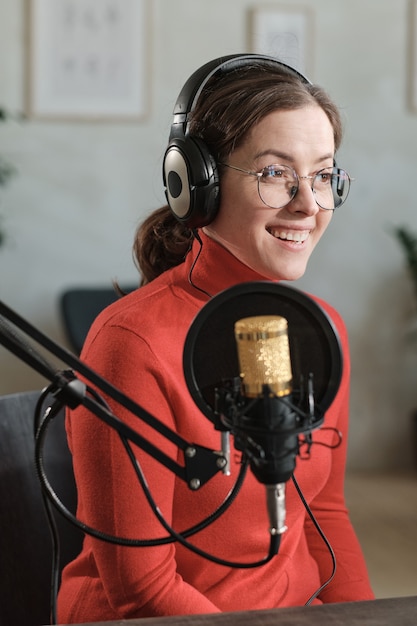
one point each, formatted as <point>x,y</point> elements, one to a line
<point>296,178</point>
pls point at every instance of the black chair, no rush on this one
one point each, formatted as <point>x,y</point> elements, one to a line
<point>79,308</point>
<point>25,538</point>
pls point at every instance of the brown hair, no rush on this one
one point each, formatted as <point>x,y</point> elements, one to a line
<point>230,105</point>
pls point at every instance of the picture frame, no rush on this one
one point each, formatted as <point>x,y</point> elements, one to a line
<point>285,32</point>
<point>412,56</point>
<point>87,60</point>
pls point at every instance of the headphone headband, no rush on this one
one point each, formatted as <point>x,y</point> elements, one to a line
<point>190,93</point>
<point>189,171</point>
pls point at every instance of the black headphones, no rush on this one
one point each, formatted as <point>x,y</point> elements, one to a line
<point>190,173</point>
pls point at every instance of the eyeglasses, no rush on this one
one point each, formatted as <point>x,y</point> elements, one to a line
<point>279,184</point>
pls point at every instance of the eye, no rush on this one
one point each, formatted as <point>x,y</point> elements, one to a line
<point>276,172</point>
<point>324,177</point>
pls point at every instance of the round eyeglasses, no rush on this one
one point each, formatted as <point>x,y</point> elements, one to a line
<point>278,185</point>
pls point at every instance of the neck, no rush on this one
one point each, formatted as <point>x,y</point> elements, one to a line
<point>213,267</point>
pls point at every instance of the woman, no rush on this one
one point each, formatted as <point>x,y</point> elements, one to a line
<point>267,139</point>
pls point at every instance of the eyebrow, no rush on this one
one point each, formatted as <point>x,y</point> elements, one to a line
<point>289,157</point>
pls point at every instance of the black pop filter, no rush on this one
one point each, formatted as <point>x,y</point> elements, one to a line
<point>210,352</point>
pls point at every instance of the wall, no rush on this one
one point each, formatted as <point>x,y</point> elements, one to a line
<point>82,188</point>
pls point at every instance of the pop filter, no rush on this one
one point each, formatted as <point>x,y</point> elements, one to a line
<point>210,352</point>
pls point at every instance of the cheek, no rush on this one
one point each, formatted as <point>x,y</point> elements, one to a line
<point>323,221</point>
<point>239,194</point>
<point>235,214</point>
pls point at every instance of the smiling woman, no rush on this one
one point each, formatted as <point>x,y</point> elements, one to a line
<point>238,115</point>
<point>304,137</point>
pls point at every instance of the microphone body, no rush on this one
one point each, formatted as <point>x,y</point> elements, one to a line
<point>267,426</point>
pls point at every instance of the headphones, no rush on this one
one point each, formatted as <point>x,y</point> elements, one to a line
<point>190,173</point>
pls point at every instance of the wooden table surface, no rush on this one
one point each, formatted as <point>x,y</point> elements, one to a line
<point>385,612</point>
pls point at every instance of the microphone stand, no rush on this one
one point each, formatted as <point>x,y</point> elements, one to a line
<point>200,463</point>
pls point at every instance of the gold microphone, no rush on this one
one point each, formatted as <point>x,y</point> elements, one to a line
<point>264,359</point>
<point>264,355</point>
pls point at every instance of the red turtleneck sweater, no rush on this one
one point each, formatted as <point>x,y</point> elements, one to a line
<point>137,344</point>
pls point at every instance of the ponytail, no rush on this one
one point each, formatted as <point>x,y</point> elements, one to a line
<point>161,242</point>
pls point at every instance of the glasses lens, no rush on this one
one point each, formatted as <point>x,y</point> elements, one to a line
<point>331,187</point>
<point>277,186</point>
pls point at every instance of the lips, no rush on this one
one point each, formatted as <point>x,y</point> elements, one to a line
<point>297,236</point>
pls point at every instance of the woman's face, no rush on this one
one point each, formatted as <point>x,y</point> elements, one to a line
<point>276,243</point>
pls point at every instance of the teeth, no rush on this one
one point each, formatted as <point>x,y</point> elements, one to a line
<point>297,236</point>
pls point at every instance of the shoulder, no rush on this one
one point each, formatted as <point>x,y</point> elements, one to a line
<point>150,312</point>
<point>333,314</point>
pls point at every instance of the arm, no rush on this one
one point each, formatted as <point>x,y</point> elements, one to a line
<point>351,580</point>
<point>136,581</point>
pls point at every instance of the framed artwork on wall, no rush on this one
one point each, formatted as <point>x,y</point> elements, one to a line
<point>284,32</point>
<point>87,59</point>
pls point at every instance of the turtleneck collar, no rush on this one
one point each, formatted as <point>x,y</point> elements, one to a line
<point>215,268</point>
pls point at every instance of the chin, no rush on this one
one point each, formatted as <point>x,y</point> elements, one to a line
<point>289,274</point>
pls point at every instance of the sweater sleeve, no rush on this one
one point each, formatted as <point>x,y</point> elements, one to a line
<point>138,581</point>
<point>351,582</point>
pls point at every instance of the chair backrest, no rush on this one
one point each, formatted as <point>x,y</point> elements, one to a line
<point>80,307</point>
<point>25,539</point>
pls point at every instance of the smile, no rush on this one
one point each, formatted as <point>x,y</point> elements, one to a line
<point>298,236</point>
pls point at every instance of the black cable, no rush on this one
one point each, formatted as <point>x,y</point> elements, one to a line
<point>51,413</point>
<point>323,536</point>
<point>274,541</point>
<point>55,500</point>
<point>190,274</point>
<point>172,534</point>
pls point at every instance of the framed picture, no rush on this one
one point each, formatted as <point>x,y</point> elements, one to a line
<point>87,59</point>
<point>412,78</point>
<point>284,32</point>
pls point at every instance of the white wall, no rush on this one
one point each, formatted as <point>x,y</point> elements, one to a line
<point>82,188</point>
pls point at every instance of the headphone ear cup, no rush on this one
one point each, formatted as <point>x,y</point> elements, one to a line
<point>191,181</point>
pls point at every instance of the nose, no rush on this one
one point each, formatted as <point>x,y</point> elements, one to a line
<point>304,201</point>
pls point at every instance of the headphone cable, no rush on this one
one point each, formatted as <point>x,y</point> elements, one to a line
<point>190,275</point>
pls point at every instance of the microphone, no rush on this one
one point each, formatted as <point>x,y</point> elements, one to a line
<point>263,362</point>
<point>266,375</point>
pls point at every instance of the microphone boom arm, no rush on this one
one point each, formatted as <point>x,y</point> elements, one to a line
<point>200,463</point>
